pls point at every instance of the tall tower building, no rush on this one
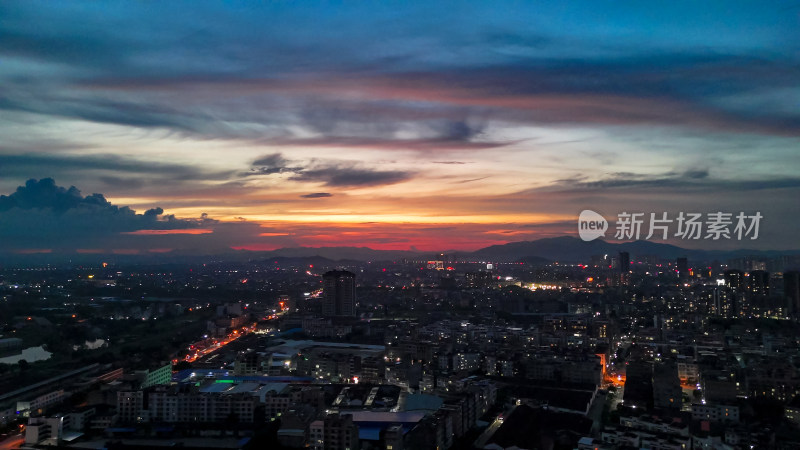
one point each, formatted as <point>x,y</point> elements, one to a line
<point>725,303</point>
<point>624,262</point>
<point>683,267</point>
<point>624,268</point>
<point>339,293</point>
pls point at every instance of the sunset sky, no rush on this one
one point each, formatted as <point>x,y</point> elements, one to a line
<point>392,125</point>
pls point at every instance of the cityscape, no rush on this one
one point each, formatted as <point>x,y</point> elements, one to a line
<point>400,225</point>
<point>617,351</point>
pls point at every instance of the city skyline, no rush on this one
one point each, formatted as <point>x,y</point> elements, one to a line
<point>392,126</point>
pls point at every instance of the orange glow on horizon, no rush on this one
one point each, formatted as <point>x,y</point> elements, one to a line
<point>405,236</point>
<point>405,219</point>
<point>160,232</point>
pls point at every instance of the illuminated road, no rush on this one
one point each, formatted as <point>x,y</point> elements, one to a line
<point>492,429</point>
<point>236,334</point>
<point>15,441</point>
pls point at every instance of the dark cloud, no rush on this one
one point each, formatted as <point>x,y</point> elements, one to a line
<point>274,160</point>
<point>696,174</point>
<point>22,164</point>
<point>271,164</point>
<point>363,124</point>
<point>45,194</point>
<point>387,143</point>
<point>317,195</point>
<point>117,112</point>
<point>330,172</point>
<point>449,109</point>
<point>350,176</point>
<point>43,214</point>
<point>461,130</point>
<point>47,197</point>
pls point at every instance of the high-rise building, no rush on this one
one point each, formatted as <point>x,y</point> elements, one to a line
<point>624,268</point>
<point>624,262</point>
<point>734,280</point>
<point>683,267</point>
<point>758,284</point>
<point>791,290</point>
<point>339,293</point>
<point>724,302</point>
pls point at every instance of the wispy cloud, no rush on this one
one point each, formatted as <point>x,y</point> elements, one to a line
<point>21,164</point>
<point>691,180</point>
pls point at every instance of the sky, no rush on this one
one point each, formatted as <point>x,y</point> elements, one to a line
<point>156,126</point>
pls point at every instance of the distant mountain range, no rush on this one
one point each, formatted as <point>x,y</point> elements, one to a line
<point>565,248</point>
<point>569,248</point>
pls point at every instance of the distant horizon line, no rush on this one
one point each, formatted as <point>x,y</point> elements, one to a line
<point>243,249</point>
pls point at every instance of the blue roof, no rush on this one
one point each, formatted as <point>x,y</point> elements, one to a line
<point>216,387</point>
<point>369,433</point>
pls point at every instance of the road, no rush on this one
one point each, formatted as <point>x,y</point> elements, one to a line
<point>198,353</point>
<point>596,412</point>
<point>11,442</point>
<point>492,428</point>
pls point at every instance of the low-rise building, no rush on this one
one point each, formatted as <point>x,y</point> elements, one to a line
<point>715,412</point>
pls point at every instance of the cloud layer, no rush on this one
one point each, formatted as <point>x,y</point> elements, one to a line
<point>492,116</point>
